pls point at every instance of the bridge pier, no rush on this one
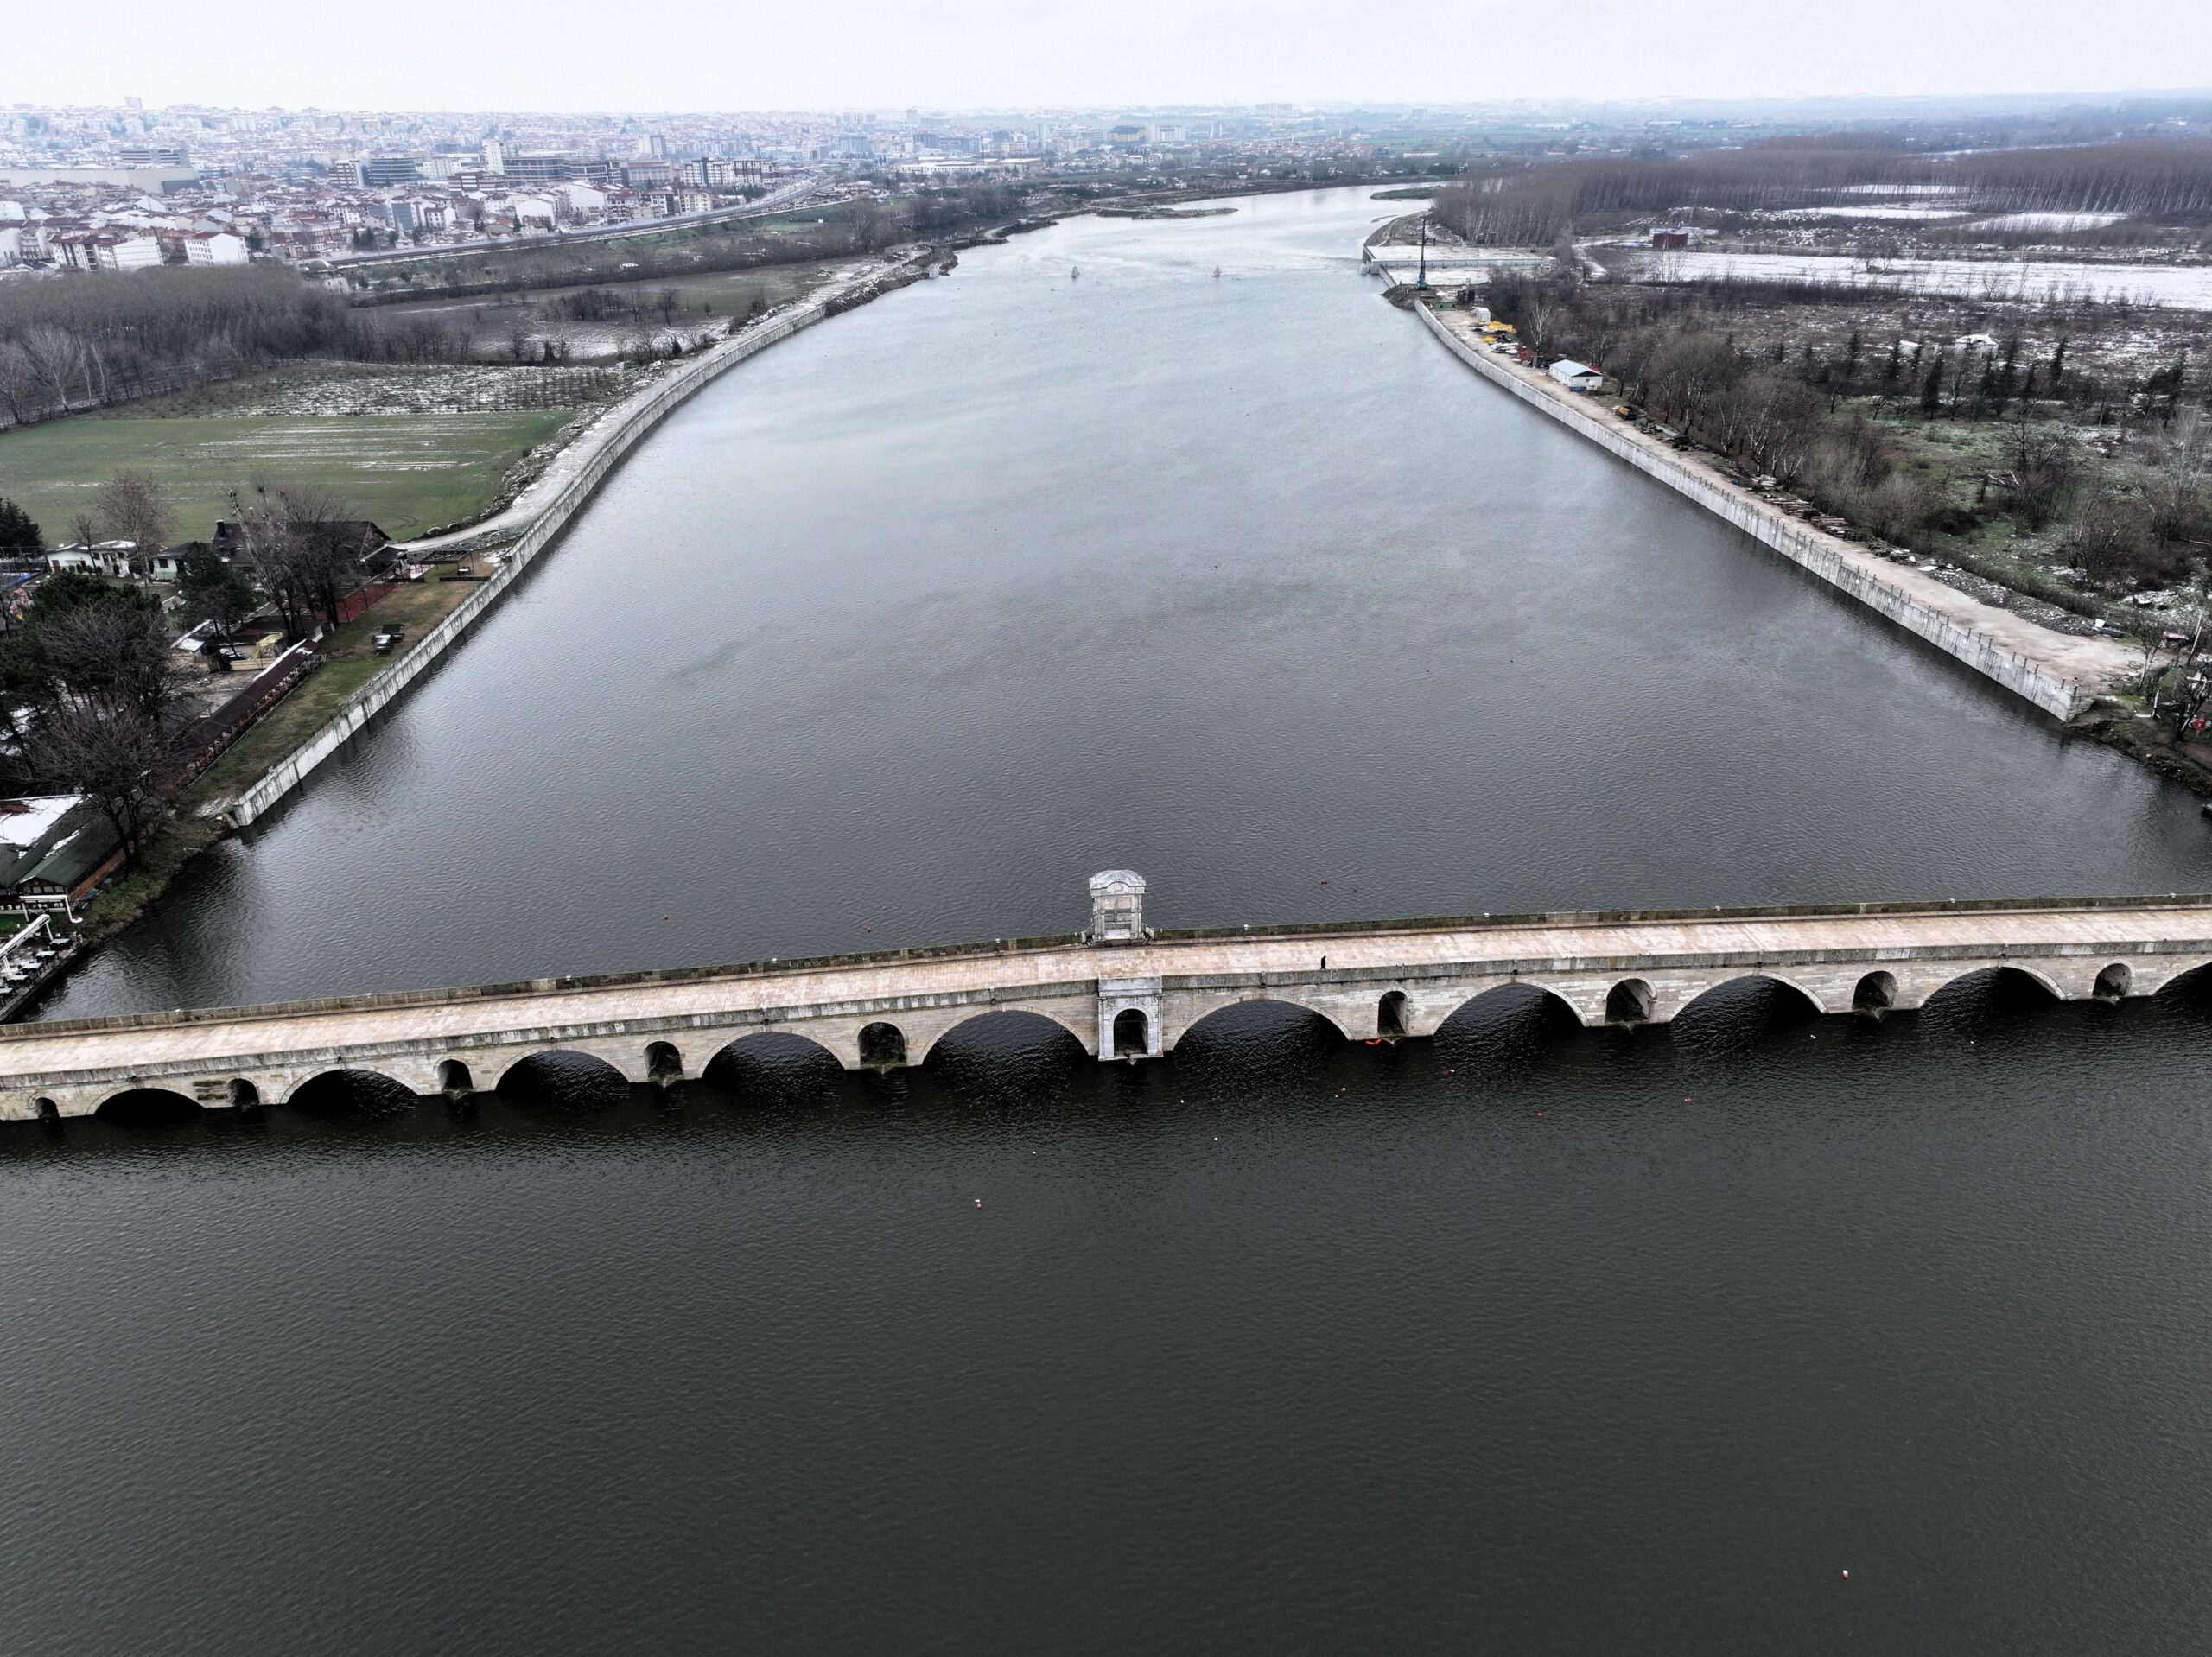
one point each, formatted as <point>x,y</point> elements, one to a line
<point>242,1091</point>
<point>1130,1024</point>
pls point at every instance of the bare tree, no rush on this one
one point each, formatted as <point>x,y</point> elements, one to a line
<point>134,508</point>
<point>108,653</point>
<point>304,545</point>
<point>2040,475</point>
<point>110,756</point>
<point>2174,489</point>
<point>327,551</point>
<point>2111,539</point>
<point>21,394</point>
<point>53,355</point>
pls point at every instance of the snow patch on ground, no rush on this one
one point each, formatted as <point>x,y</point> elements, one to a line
<point>2180,287</point>
<point>1869,210</point>
<point>341,388</point>
<point>2048,221</point>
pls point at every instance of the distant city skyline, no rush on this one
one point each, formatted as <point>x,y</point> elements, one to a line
<point>890,54</point>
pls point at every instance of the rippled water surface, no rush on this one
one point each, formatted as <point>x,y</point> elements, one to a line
<point>1526,1339</point>
<point>907,626</point>
<point>1523,1340</point>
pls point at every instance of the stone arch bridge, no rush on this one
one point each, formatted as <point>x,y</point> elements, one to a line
<point>1121,990</point>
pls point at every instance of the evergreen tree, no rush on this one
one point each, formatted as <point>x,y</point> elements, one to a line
<point>19,535</point>
<point>209,588</point>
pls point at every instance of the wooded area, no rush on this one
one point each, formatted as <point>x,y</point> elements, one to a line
<point>1535,203</point>
<point>1826,417</point>
<point>83,342</point>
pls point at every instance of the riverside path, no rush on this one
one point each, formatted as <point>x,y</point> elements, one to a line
<point>1121,990</point>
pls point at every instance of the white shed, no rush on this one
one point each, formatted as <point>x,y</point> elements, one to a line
<point>1576,376</point>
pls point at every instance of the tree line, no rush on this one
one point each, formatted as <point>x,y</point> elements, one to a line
<point>83,341</point>
<point>1811,416</point>
<point>1535,203</point>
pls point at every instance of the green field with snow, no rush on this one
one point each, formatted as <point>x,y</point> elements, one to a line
<point>408,472</point>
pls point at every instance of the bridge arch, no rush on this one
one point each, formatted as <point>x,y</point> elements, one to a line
<point>1004,1027</point>
<point>2005,976</point>
<point>882,1045</point>
<point>2192,983</point>
<point>243,1093</point>
<point>1225,1015</point>
<point>148,1107</point>
<point>1132,1032</point>
<point>1631,1002</point>
<point>1229,1009</point>
<point>1737,986</point>
<point>2114,982</point>
<point>454,1078</point>
<point>1521,997</point>
<point>561,1076</point>
<point>769,1042</point>
<point>1875,991</point>
<point>347,1092</point>
<point>1990,997</point>
<point>664,1063</point>
<point>769,1065</point>
<point>1393,1015</point>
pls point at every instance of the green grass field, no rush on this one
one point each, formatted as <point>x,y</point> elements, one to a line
<point>408,472</point>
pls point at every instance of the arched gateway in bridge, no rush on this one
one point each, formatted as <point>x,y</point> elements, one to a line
<point>1122,989</point>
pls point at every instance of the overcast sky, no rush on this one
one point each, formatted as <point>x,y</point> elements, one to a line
<point>742,54</point>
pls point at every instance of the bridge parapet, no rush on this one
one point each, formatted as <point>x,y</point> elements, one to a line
<point>1128,997</point>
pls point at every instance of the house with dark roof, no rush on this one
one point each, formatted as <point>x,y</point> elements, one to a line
<point>54,849</point>
<point>365,539</point>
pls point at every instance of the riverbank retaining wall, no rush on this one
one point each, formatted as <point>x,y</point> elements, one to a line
<point>1821,554</point>
<point>634,423</point>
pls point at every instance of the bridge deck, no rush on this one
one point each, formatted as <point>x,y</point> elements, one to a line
<point>1463,950</point>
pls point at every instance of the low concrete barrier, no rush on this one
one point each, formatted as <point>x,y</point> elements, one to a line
<point>373,697</point>
<point>1821,554</point>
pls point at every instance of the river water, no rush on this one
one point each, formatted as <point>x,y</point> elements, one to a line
<point>1540,1338</point>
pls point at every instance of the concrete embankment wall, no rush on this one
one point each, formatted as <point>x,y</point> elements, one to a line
<point>636,422</point>
<point>2054,693</point>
